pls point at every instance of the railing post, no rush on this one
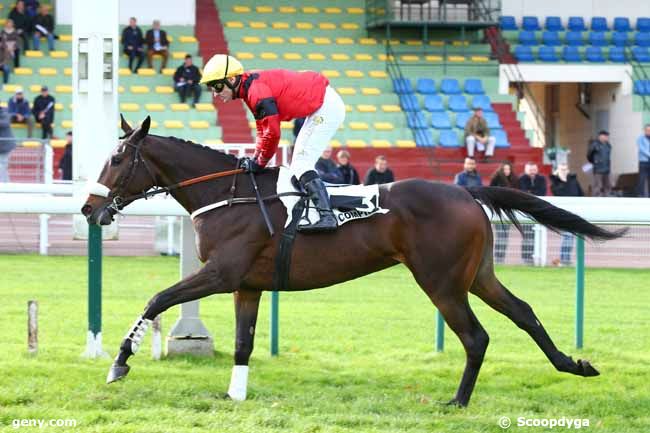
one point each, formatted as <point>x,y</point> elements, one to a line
<point>440,332</point>
<point>580,290</point>
<point>275,323</point>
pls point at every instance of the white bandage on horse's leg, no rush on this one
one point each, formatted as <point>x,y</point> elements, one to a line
<point>238,382</point>
<point>136,334</point>
<point>98,189</point>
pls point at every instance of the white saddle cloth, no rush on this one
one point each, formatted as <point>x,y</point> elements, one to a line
<point>368,206</point>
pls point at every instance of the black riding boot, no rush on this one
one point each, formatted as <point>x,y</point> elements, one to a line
<point>318,194</point>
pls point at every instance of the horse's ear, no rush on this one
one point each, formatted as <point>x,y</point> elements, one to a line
<point>125,125</point>
<point>142,131</point>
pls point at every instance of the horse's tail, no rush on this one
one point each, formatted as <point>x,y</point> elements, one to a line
<point>507,200</point>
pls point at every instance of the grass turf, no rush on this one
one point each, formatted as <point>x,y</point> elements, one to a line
<point>357,357</point>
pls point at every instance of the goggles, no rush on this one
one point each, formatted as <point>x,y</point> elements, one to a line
<point>217,85</point>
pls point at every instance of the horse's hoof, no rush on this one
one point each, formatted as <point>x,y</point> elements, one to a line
<point>225,396</point>
<point>587,369</point>
<point>117,372</point>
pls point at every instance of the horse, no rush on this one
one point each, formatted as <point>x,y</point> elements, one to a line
<point>440,232</point>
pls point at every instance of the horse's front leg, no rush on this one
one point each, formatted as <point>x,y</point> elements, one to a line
<point>246,307</point>
<point>212,278</point>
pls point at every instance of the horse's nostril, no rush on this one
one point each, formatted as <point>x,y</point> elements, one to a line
<point>86,210</point>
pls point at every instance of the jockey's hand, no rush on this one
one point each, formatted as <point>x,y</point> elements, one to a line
<point>250,165</point>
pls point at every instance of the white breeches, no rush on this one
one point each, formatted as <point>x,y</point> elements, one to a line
<point>316,133</point>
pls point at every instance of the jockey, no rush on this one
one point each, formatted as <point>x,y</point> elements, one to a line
<point>278,95</point>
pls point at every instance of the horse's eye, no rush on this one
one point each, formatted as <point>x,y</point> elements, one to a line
<point>116,159</point>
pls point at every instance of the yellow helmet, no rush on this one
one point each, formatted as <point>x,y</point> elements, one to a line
<point>220,67</point>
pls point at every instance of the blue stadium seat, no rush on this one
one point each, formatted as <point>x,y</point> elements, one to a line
<point>571,54</point>
<point>597,39</point>
<point>527,38</point>
<point>457,103</point>
<point>482,101</point>
<point>461,119</point>
<point>643,25</point>
<point>622,24</point>
<point>523,53</point>
<point>530,23</point>
<point>409,102</point>
<point>507,22</point>
<point>620,39</point>
<point>402,86</point>
<point>441,120</point>
<point>642,39</point>
<point>450,86</point>
<point>501,138</point>
<point>574,39</point>
<point>554,24</point>
<point>617,55</point>
<point>416,120</point>
<point>641,87</point>
<point>448,138</point>
<point>547,54</point>
<point>641,54</point>
<point>426,86</point>
<point>423,138</point>
<point>551,39</point>
<point>599,24</point>
<point>576,24</point>
<point>594,54</point>
<point>492,120</point>
<point>433,103</point>
<point>474,86</point>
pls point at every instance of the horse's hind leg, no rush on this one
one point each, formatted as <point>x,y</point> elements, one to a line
<point>489,289</point>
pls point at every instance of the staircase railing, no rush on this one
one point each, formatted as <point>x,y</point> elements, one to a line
<point>514,74</point>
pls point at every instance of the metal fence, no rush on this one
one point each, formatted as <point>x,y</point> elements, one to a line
<point>31,161</point>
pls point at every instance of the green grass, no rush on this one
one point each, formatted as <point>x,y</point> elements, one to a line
<point>357,357</point>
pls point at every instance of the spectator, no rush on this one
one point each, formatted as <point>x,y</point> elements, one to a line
<point>326,168</point>
<point>7,144</point>
<point>65,163</point>
<point>9,37</point>
<point>643,142</point>
<point>133,42</point>
<point>477,135</point>
<point>187,77</point>
<point>22,23</point>
<point>469,176</point>
<point>505,178</point>
<point>297,126</point>
<point>157,43</point>
<point>349,174</point>
<point>44,27</point>
<point>532,183</point>
<point>564,184</point>
<point>599,155</point>
<point>5,60</point>
<point>380,173</point>
<point>43,111</point>
<point>19,111</point>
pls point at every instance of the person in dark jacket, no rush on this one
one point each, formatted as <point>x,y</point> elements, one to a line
<point>133,44</point>
<point>7,144</point>
<point>157,43</point>
<point>599,155</point>
<point>532,183</point>
<point>43,111</point>
<point>22,23</point>
<point>349,174</point>
<point>469,176</point>
<point>327,169</point>
<point>65,163</point>
<point>380,173</point>
<point>186,79</point>
<point>43,27</point>
<point>504,177</point>
<point>564,184</point>
<point>19,111</point>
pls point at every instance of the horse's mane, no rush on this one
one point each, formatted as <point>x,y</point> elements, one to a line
<point>209,152</point>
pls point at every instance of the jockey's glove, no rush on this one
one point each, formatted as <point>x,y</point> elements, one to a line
<point>250,165</point>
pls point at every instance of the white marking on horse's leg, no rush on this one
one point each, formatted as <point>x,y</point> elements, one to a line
<point>136,334</point>
<point>238,382</point>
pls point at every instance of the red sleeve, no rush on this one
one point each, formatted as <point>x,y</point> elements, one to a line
<point>265,109</point>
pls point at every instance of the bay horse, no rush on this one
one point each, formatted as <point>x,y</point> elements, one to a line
<point>439,231</point>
